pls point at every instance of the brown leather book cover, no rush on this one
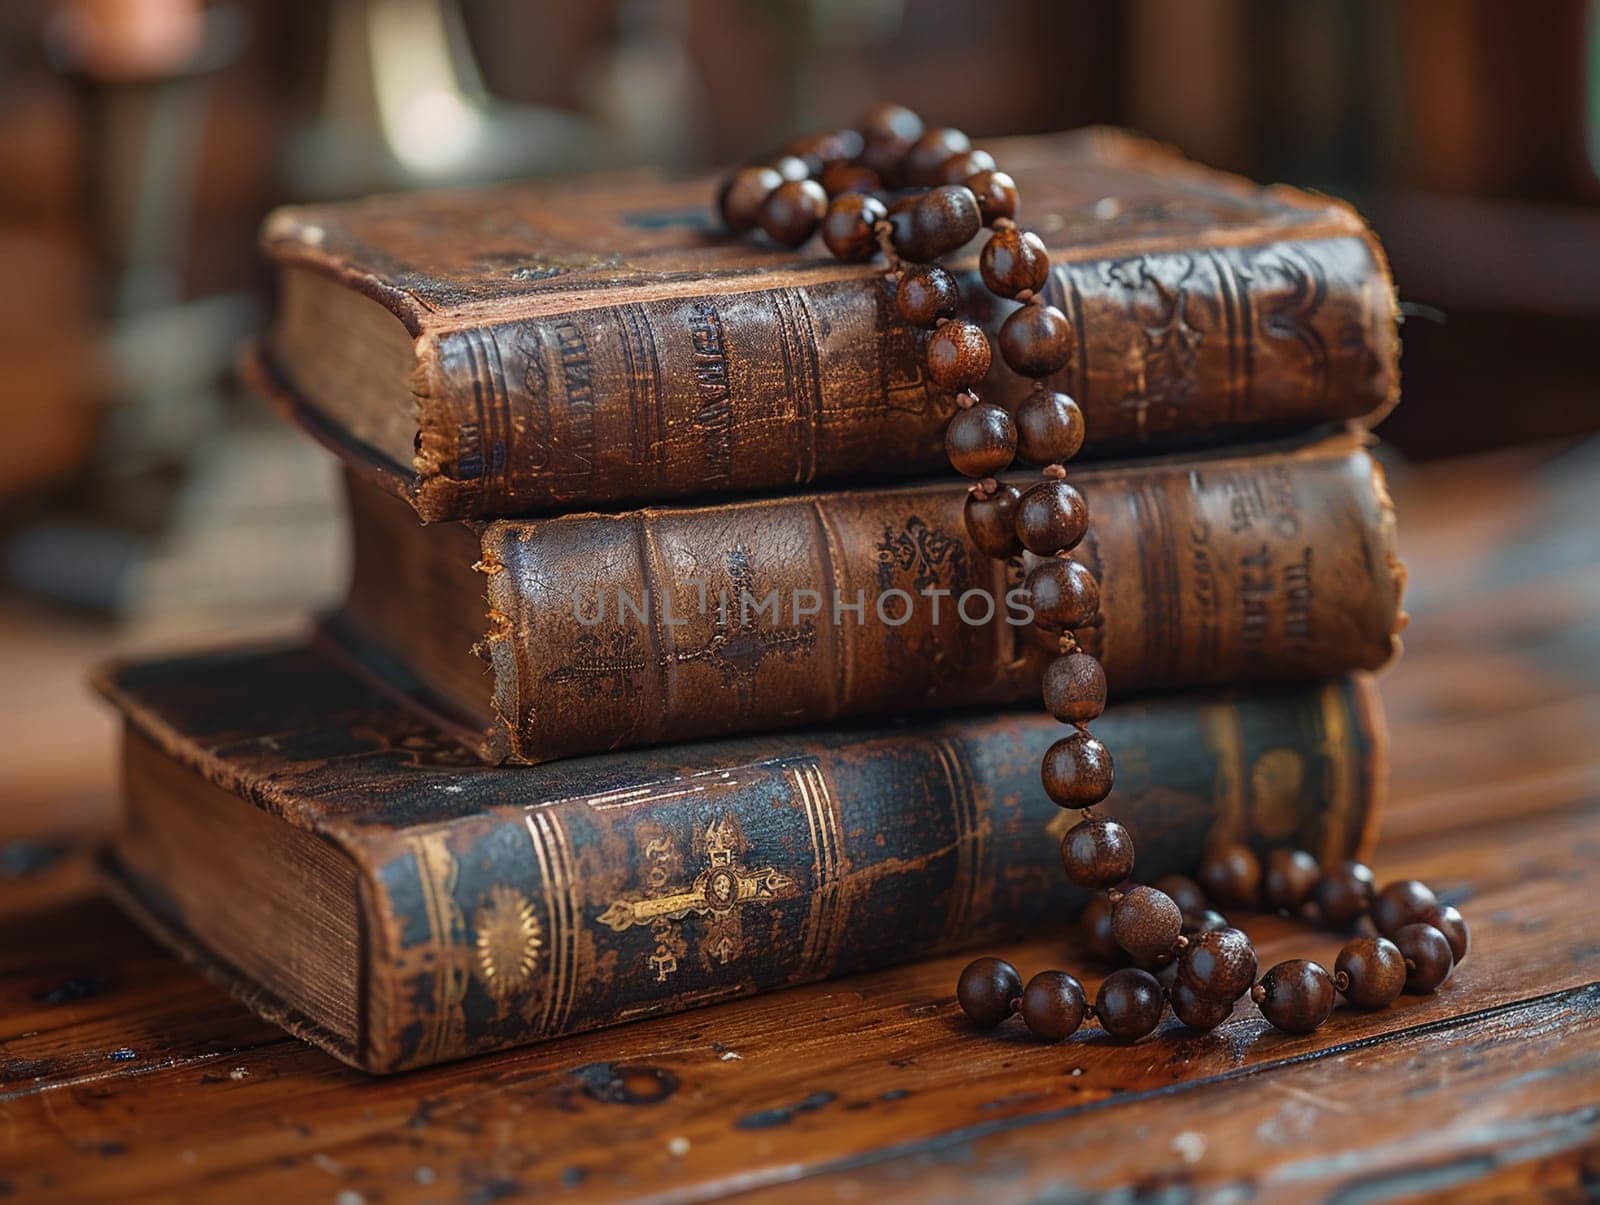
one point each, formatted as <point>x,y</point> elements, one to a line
<point>531,349</point>
<point>546,638</point>
<point>352,874</point>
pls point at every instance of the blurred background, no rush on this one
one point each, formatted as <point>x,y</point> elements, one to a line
<point>144,502</point>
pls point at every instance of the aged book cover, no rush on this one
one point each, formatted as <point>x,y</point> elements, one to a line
<point>530,349</point>
<point>545,638</point>
<point>355,875</point>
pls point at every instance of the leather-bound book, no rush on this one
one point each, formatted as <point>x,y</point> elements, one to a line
<point>353,874</point>
<point>536,639</point>
<point>540,348</point>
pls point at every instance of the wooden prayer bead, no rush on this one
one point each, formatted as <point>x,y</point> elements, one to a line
<point>1185,892</point>
<point>1219,964</point>
<point>929,152</point>
<point>1344,893</point>
<point>1146,923</point>
<point>1296,996</point>
<point>1231,874</point>
<point>992,524</point>
<point>1050,428</point>
<point>793,210</point>
<point>986,989</point>
<point>1053,1005</point>
<point>890,122</point>
<point>1037,340</point>
<point>1074,687</point>
<point>1370,972</point>
<point>744,194</point>
<point>840,178</point>
<point>1288,880</point>
<point>1097,853</point>
<point>1129,1004</point>
<point>1095,925</point>
<point>957,357</point>
<point>1012,261</point>
<point>1449,921</point>
<point>926,294</point>
<point>1427,954</point>
<point>1062,593</point>
<point>1077,771</point>
<point>997,195</point>
<point>958,167</point>
<point>847,228</point>
<point>980,440</point>
<point>1052,517</point>
<point>1401,903</point>
<point>1198,1012</point>
<point>1206,920</point>
<point>936,223</point>
<point>821,151</point>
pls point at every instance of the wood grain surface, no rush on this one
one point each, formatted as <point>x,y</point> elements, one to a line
<point>123,1075</point>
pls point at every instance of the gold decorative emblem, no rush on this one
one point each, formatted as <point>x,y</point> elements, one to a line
<point>508,941</point>
<point>718,893</point>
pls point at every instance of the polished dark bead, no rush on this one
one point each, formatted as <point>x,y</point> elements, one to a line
<point>958,358</point>
<point>1344,893</point>
<point>1146,923</point>
<point>1129,1004</point>
<point>1014,261</point>
<point>1448,920</point>
<point>926,294</point>
<point>1097,853</point>
<point>986,990</point>
<point>1198,1012</point>
<point>1037,340</point>
<point>1296,996</point>
<point>980,440</point>
<point>840,178</point>
<point>1289,878</point>
<point>1095,925</point>
<point>992,523</point>
<point>1075,688</point>
<point>1050,428</point>
<point>847,228</point>
<point>821,151</point>
<point>929,152</point>
<point>1077,771</point>
<point>1204,920</point>
<point>1231,874</point>
<point>1427,954</point>
<point>1052,517</point>
<point>743,195</point>
<point>1401,903</point>
<point>957,168</point>
<point>1370,972</point>
<point>1062,593</point>
<point>997,195</point>
<point>793,211</point>
<point>938,222</point>
<point>1185,892</point>
<point>1219,964</point>
<point>1053,1005</point>
<point>890,121</point>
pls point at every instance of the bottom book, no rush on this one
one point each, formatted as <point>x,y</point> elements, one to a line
<point>355,876</point>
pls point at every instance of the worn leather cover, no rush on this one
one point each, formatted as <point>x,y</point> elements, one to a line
<point>582,345</point>
<point>504,906</point>
<point>615,631</point>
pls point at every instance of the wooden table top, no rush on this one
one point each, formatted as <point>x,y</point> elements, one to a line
<point>123,1074</point>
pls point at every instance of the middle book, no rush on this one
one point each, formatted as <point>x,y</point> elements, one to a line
<point>536,639</point>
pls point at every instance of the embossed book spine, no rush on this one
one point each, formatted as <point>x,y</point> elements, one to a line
<point>562,347</point>
<point>487,907</point>
<point>617,631</point>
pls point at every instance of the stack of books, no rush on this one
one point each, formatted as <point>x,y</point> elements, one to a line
<point>668,673</point>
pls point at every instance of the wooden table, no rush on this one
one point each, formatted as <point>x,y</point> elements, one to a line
<point>122,1074</point>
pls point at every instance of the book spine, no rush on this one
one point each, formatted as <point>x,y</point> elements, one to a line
<point>618,631</point>
<point>665,891</point>
<point>776,387</point>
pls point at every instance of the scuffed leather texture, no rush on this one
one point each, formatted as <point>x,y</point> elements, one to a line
<point>505,906</point>
<point>603,343</point>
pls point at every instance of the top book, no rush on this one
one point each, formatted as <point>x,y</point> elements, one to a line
<point>532,348</point>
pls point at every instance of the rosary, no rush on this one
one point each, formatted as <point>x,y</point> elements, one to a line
<point>890,187</point>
